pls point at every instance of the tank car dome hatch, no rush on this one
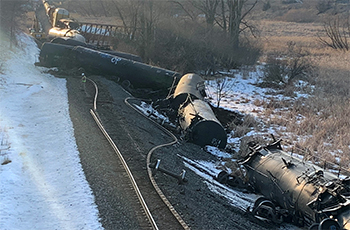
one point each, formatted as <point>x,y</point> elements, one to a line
<point>70,24</point>
<point>189,84</point>
<point>201,126</point>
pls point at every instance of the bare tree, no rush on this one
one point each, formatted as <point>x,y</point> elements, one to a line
<point>148,20</point>
<point>140,19</point>
<point>223,86</point>
<point>230,15</point>
<point>234,23</point>
<point>337,34</point>
<point>186,9</point>
<point>208,8</point>
<point>128,12</point>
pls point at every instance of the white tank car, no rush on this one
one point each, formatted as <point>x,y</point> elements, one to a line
<point>59,32</point>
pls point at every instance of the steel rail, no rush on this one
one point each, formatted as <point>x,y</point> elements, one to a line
<point>96,93</point>
<point>150,175</point>
<point>94,114</point>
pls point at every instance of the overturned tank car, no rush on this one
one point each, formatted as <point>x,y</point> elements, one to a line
<point>200,124</point>
<point>195,117</point>
<point>74,42</point>
<point>118,65</point>
<point>54,55</point>
<point>295,191</point>
<point>139,74</point>
<point>190,85</point>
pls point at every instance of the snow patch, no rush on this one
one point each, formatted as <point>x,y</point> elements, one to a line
<point>42,184</point>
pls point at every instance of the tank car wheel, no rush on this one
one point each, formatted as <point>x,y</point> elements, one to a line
<point>264,209</point>
<point>229,179</point>
<point>259,201</point>
<point>329,224</point>
<point>222,177</point>
<point>126,84</point>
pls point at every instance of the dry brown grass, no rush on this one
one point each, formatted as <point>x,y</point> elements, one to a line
<point>320,123</point>
<point>275,36</point>
<point>249,123</point>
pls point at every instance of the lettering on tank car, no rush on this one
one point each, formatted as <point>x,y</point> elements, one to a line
<point>103,55</point>
<point>215,142</point>
<point>115,60</point>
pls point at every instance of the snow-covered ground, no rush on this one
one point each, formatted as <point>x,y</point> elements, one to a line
<point>42,184</point>
<point>241,93</point>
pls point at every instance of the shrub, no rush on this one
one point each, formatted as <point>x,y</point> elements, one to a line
<point>249,123</point>
<point>282,71</point>
<point>337,32</point>
<point>274,72</point>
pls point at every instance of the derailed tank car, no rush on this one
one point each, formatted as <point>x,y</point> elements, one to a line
<point>117,64</point>
<point>200,124</point>
<point>195,117</point>
<point>65,32</point>
<point>54,55</point>
<point>62,26</point>
<point>49,9</point>
<point>73,42</point>
<point>57,15</point>
<point>139,74</point>
<point>295,190</point>
<point>189,85</point>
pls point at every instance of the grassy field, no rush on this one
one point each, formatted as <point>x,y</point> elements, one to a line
<point>320,124</point>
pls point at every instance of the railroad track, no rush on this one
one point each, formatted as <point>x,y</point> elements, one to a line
<point>144,215</point>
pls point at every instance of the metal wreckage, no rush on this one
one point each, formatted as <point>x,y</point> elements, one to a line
<point>293,189</point>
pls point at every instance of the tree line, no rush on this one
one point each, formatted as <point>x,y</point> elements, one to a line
<point>183,35</point>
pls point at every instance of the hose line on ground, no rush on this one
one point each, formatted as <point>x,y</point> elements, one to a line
<point>149,155</point>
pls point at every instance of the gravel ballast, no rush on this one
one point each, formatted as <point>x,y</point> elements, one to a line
<point>136,136</point>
